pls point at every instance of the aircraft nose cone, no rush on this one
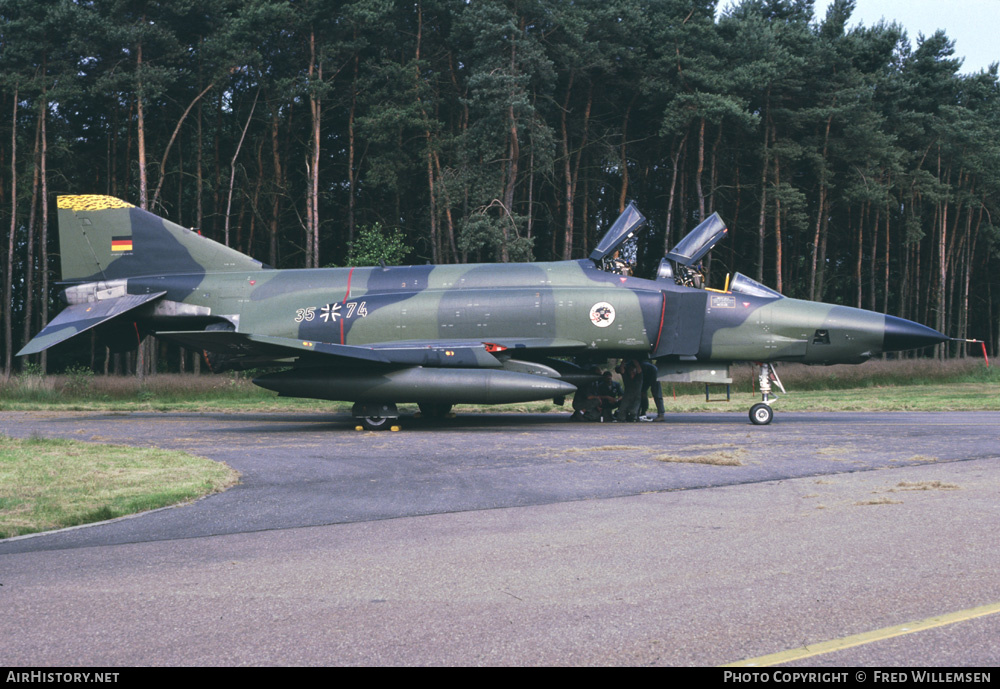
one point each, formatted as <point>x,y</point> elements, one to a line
<point>902,334</point>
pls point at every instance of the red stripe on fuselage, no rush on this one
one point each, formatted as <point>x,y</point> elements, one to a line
<point>349,274</point>
<point>346,296</point>
<point>663,311</point>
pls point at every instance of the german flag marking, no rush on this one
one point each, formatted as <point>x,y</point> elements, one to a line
<point>121,244</point>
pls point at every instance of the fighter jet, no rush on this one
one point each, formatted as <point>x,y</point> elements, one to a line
<point>441,335</point>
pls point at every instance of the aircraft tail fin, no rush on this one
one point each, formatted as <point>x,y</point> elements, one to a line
<point>104,238</point>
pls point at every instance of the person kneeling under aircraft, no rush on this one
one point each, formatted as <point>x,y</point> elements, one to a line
<point>598,400</point>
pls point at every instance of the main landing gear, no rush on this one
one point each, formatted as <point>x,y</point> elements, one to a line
<point>383,416</point>
<point>430,410</point>
<point>761,413</point>
<point>376,416</point>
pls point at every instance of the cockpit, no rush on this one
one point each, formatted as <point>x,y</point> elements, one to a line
<point>617,251</point>
<point>682,265</point>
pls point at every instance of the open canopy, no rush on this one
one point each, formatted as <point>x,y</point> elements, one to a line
<point>698,241</point>
<point>623,229</point>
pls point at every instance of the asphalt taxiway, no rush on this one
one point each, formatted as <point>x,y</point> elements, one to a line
<point>526,539</point>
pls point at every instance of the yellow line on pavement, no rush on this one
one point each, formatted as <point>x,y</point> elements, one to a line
<point>867,637</point>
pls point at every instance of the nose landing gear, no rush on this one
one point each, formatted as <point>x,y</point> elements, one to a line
<point>761,413</point>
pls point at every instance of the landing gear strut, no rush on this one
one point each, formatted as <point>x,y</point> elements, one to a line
<point>761,413</point>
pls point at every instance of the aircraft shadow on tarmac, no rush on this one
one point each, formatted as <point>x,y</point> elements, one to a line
<point>485,421</point>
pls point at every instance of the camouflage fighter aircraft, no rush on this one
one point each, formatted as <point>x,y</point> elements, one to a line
<point>440,335</point>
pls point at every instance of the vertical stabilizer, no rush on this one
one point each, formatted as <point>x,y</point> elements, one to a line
<point>104,238</point>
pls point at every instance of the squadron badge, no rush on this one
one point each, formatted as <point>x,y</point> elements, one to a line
<point>602,314</point>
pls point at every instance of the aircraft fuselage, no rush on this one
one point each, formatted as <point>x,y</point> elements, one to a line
<point>566,301</point>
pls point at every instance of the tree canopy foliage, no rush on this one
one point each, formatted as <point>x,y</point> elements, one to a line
<point>857,166</point>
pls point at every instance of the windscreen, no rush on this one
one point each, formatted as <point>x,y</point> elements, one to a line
<point>744,285</point>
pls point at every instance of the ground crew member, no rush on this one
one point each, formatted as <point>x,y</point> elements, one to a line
<point>649,382</point>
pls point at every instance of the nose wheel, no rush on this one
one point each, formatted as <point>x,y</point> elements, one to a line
<point>761,414</point>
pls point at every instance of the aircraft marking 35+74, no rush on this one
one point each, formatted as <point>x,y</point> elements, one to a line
<point>440,335</point>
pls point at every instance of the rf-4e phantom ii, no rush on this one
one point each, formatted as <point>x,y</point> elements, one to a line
<point>440,335</point>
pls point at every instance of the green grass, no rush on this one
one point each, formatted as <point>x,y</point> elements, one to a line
<point>914,384</point>
<point>908,385</point>
<point>929,397</point>
<point>50,484</point>
<point>166,392</point>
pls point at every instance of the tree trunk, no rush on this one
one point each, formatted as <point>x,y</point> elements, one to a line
<point>30,293</point>
<point>567,174</point>
<point>700,170</point>
<point>145,348</point>
<point>514,153</point>
<point>862,214</point>
<point>667,239</point>
<point>885,253</point>
<point>173,137</point>
<point>821,212</point>
<point>141,132</point>
<point>874,259</point>
<point>623,197</point>
<point>272,244</point>
<point>351,177</point>
<point>763,202</point>
<point>316,111</point>
<point>779,284</point>
<point>942,277</point>
<point>232,165</point>
<point>428,139</point>
<point>572,175</point>
<point>8,325</point>
<point>43,240</point>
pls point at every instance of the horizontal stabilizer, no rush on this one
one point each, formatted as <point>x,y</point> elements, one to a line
<point>78,318</point>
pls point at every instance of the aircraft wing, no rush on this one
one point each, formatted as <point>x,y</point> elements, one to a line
<point>431,353</point>
<point>234,344</point>
<point>78,318</point>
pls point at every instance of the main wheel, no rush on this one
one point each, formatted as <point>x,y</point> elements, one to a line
<point>761,414</point>
<point>375,423</point>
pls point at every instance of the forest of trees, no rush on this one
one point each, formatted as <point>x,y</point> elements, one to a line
<point>855,166</point>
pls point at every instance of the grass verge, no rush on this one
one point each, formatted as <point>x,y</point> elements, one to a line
<point>50,484</point>
<point>901,385</point>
